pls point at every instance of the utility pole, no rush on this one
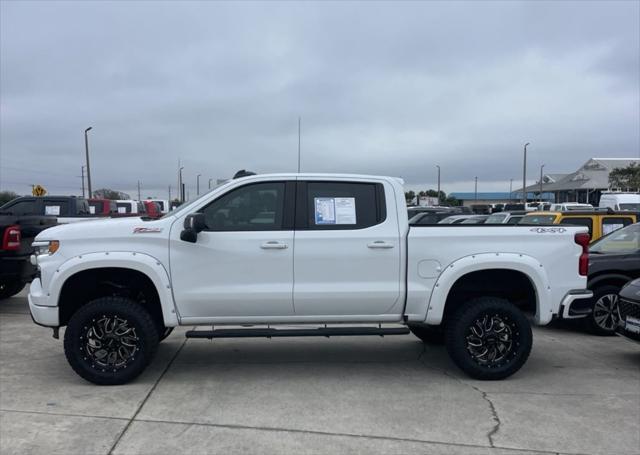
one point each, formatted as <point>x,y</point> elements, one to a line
<point>169,194</point>
<point>541,168</point>
<point>524,175</point>
<point>476,190</point>
<point>510,189</point>
<point>299,120</point>
<point>180,184</point>
<point>210,183</point>
<point>82,176</point>
<point>198,185</point>
<point>139,198</point>
<point>86,149</point>
<point>438,166</point>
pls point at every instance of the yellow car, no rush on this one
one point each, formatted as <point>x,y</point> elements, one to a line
<point>600,223</point>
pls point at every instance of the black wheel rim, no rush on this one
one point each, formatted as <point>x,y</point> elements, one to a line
<point>491,340</point>
<point>605,312</point>
<point>109,343</point>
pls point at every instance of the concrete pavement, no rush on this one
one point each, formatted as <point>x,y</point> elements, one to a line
<point>577,394</point>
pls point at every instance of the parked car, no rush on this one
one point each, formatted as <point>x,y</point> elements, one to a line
<point>235,250</point>
<point>629,311</point>
<point>459,219</point>
<point>152,209</point>
<point>567,206</point>
<point>599,222</point>
<point>102,207</point>
<point>130,207</point>
<point>506,217</point>
<point>65,209</point>
<point>414,210</point>
<point>614,260</point>
<point>16,235</point>
<point>620,201</point>
<point>165,207</point>
<point>428,217</point>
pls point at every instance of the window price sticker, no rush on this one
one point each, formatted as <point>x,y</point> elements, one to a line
<point>335,210</point>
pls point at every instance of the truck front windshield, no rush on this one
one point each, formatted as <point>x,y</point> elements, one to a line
<point>188,205</point>
<point>631,207</point>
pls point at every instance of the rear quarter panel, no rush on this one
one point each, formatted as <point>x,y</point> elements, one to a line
<point>439,256</point>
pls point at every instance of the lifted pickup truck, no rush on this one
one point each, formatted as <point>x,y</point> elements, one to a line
<point>319,249</point>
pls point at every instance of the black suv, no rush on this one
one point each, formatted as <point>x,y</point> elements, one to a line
<point>614,260</point>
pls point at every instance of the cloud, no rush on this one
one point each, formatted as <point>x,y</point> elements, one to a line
<point>383,88</point>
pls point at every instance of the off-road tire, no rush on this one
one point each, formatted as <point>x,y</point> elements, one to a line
<point>429,334</point>
<point>606,293</point>
<point>10,289</point>
<point>80,335</point>
<point>507,322</point>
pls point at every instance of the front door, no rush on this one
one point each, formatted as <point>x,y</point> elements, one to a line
<point>347,250</point>
<point>242,263</point>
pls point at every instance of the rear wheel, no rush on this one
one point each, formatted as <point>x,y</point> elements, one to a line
<point>489,338</point>
<point>428,334</point>
<point>604,317</point>
<point>110,340</point>
<point>11,288</point>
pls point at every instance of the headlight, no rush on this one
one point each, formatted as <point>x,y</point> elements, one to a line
<point>46,247</point>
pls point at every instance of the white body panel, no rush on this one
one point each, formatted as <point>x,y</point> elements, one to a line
<point>613,200</point>
<point>322,276</point>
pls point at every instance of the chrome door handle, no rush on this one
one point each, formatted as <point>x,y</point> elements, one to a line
<point>379,244</point>
<point>273,245</point>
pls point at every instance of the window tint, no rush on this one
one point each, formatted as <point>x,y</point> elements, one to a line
<point>27,207</point>
<point>57,208</point>
<point>610,224</point>
<point>344,205</point>
<point>578,221</point>
<point>256,207</point>
<point>514,219</point>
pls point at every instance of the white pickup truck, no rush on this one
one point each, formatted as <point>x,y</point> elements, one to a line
<point>332,254</point>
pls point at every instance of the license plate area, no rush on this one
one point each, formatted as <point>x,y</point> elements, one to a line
<point>632,325</point>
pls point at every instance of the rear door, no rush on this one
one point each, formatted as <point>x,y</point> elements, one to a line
<point>347,249</point>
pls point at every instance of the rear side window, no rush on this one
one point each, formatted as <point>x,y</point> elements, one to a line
<point>610,224</point>
<point>340,205</point>
<point>20,208</point>
<point>579,221</point>
<point>57,208</point>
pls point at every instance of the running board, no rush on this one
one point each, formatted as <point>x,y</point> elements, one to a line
<point>316,332</point>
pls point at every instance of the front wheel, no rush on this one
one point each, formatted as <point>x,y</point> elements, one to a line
<point>110,340</point>
<point>489,338</point>
<point>604,317</point>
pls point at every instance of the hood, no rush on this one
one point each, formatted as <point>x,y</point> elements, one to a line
<point>106,227</point>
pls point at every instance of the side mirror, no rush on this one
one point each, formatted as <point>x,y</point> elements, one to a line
<point>193,224</point>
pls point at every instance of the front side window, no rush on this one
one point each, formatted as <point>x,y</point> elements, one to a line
<point>254,207</point>
<point>344,205</point>
<point>24,207</point>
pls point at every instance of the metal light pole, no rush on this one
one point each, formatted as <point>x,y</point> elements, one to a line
<point>524,175</point>
<point>82,176</point>
<point>169,194</point>
<point>180,185</point>
<point>510,189</point>
<point>541,168</point>
<point>86,149</point>
<point>476,190</point>
<point>210,183</point>
<point>438,166</point>
<point>198,184</point>
<point>139,198</point>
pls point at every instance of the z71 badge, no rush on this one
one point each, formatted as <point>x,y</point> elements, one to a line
<point>550,230</point>
<point>145,230</point>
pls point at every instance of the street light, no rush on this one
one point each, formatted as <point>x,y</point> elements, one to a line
<point>510,189</point>
<point>198,184</point>
<point>210,183</point>
<point>438,166</point>
<point>86,149</point>
<point>541,168</point>
<point>180,186</point>
<point>524,175</point>
<point>476,191</point>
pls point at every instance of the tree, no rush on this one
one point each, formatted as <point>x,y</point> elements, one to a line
<point>106,193</point>
<point>6,196</point>
<point>409,195</point>
<point>625,178</point>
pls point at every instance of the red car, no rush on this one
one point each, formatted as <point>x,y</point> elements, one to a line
<point>102,207</point>
<point>153,209</point>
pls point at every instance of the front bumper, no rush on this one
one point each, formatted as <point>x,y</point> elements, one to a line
<point>629,323</point>
<point>42,314</point>
<point>576,304</point>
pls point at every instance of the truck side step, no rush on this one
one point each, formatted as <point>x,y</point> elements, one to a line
<point>315,332</point>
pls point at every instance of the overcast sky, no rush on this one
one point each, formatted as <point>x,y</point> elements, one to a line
<point>383,88</point>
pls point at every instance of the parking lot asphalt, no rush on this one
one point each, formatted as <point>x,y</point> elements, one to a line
<point>577,394</point>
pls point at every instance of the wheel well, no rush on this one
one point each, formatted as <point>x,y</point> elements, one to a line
<point>511,285</point>
<point>608,280</point>
<point>88,285</point>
